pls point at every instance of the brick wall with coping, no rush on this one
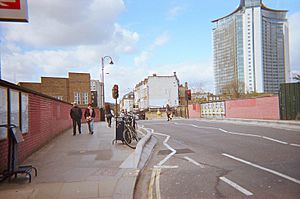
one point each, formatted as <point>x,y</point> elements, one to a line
<point>47,118</point>
<point>256,108</point>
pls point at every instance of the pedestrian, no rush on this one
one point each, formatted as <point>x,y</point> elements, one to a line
<point>168,112</point>
<point>89,115</point>
<point>108,115</point>
<point>76,115</point>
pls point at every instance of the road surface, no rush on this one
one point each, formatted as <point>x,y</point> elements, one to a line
<point>213,159</point>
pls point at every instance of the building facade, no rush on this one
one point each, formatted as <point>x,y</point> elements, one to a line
<point>127,102</point>
<point>97,93</point>
<point>251,49</point>
<point>157,91</point>
<point>75,88</point>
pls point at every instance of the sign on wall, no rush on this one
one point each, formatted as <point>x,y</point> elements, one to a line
<point>24,112</point>
<point>13,10</point>
<point>213,109</point>
<point>3,111</point>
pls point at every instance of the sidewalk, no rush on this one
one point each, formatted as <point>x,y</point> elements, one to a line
<point>81,166</point>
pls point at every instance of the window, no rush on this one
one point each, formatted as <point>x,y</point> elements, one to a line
<point>85,98</point>
<point>77,97</point>
<point>58,97</point>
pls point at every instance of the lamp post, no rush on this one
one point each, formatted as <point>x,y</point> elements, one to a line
<point>102,78</point>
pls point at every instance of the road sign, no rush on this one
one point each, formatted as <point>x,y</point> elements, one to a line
<point>13,10</point>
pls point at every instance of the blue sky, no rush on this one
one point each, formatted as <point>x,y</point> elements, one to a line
<point>142,36</point>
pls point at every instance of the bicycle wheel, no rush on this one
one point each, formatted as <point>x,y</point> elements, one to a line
<point>129,138</point>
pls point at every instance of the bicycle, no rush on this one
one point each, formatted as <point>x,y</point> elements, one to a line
<point>130,135</point>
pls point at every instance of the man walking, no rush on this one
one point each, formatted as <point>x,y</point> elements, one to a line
<point>76,115</point>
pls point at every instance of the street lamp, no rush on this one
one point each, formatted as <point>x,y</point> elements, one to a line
<point>102,79</point>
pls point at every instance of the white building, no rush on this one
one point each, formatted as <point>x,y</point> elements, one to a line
<point>127,102</point>
<point>251,48</point>
<point>157,91</point>
<point>97,86</point>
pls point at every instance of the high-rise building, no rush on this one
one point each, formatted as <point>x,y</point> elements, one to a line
<point>251,49</point>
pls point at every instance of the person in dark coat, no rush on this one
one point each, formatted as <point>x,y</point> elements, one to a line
<point>108,115</point>
<point>76,115</point>
<point>89,115</point>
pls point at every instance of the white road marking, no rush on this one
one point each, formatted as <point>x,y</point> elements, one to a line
<point>155,176</point>
<point>263,168</point>
<point>168,146</point>
<point>223,130</point>
<point>237,133</point>
<point>194,162</point>
<point>268,138</point>
<point>298,145</point>
<point>236,186</point>
<point>166,167</point>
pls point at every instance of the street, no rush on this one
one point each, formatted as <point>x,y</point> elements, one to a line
<point>214,159</point>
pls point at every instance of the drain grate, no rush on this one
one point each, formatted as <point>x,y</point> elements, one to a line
<point>178,151</point>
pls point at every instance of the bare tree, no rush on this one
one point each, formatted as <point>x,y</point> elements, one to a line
<point>234,89</point>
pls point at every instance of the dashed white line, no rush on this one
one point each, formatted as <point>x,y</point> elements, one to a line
<point>237,133</point>
<point>194,162</point>
<point>274,140</point>
<point>236,186</point>
<point>166,167</point>
<point>298,145</point>
<point>263,168</point>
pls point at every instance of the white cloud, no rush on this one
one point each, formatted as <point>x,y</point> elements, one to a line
<point>174,12</point>
<point>63,37</point>
<point>161,40</point>
<point>53,23</point>
<point>294,25</point>
<point>146,54</point>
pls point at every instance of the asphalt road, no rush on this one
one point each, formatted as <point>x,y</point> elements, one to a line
<point>211,159</point>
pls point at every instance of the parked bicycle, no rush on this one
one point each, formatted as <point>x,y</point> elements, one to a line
<point>130,135</point>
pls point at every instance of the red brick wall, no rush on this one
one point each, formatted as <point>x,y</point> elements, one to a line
<point>47,118</point>
<point>194,110</point>
<point>258,108</point>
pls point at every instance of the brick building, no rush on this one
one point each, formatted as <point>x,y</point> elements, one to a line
<point>74,88</point>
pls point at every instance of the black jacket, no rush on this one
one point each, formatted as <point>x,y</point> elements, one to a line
<point>87,113</point>
<point>76,113</point>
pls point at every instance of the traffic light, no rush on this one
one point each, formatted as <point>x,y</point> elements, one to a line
<point>188,94</point>
<point>115,91</point>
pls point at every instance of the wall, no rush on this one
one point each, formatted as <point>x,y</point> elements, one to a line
<point>53,86</point>
<point>43,119</point>
<point>194,110</point>
<point>257,108</point>
<point>79,82</point>
<point>163,90</point>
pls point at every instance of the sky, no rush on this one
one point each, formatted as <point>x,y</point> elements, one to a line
<point>142,37</point>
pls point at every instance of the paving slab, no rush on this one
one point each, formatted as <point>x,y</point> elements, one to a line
<point>81,166</point>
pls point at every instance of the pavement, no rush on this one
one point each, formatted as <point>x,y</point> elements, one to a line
<point>83,166</point>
